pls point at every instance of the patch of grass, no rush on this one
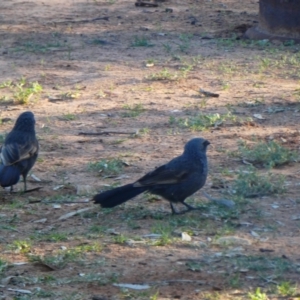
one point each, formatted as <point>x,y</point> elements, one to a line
<point>107,167</point>
<point>69,117</point>
<point>234,281</point>
<point>164,74</point>
<point>258,295</point>
<point>270,154</point>
<point>185,42</point>
<point>120,239</point>
<point>167,48</point>
<point>24,91</point>
<point>275,265</point>
<point>286,289</point>
<point>20,246</point>
<point>62,257</point>
<point>30,46</point>
<point>141,42</point>
<point>201,121</point>
<point>51,237</point>
<point>166,234</point>
<point>194,266</point>
<point>251,184</point>
<point>133,111</point>
<point>97,229</point>
<point>69,95</point>
<point>3,266</point>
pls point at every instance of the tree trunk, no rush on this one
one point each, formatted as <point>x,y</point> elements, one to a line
<point>278,19</point>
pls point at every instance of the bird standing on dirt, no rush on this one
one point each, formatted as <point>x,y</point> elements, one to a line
<point>174,181</point>
<point>19,152</point>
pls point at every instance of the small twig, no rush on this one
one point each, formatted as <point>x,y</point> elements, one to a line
<point>56,202</point>
<point>148,4</point>
<point>73,213</point>
<point>27,191</point>
<point>176,281</point>
<point>228,203</point>
<point>208,94</point>
<point>59,99</point>
<point>81,21</point>
<point>107,132</point>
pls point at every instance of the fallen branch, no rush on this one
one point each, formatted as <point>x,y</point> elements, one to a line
<point>107,132</point>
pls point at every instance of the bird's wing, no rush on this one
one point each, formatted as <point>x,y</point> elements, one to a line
<point>14,152</point>
<point>163,175</point>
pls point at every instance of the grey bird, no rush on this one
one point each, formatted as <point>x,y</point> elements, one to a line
<point>19,151</point>
<point>175,181</point>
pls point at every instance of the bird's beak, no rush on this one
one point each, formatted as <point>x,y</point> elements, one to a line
<point>206,143</point>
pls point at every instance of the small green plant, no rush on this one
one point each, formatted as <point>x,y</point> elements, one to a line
<point>3,266</point>
<point>70,95</point>
<point>6,84</point>
<point>107,167</point>
<point>144,131</point>
<point>185,42</point>
<point>258,295</point>
<point>69,117</point>
<point>167,48</point>
<point>141,42</point>
<point>286,289</point>
<point>21,246</point>
<point>31,46</point>
<point>54,237</point>
<point>202,122</point>
<point>165,232</point>
<point>164,74</point>
<point>23,91</point>
<point>120,239</point>
<point>270,154</point>
<point>133,111</point>
<point>251,184</point>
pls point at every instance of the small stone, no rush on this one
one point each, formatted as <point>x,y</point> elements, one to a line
<point>232,240</point>
<point>186,237</point>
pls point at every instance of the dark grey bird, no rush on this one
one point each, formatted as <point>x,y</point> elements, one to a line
<point>174,181</point>
<point>19,152</point>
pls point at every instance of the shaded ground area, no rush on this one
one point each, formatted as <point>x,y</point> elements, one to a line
<point>115,91</point>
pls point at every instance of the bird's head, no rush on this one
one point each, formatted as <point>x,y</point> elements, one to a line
<point>25,122</point>
<point>196,145</point>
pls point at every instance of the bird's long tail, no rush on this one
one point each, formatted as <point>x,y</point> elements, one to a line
<point>9,175</point>
<point>118,195</point>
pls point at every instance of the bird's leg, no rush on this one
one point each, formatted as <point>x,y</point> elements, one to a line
<point>189,207</point>
<point>174,212</point>
<point>25,184</point>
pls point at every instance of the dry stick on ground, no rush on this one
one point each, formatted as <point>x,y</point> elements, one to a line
<point>55,202</point>
<point>208,94</point>
<point>228,203</point>
<point>107,132</point>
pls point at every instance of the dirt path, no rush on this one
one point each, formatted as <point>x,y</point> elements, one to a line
<point>109,66</point>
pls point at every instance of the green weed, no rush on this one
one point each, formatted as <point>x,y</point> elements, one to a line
<point>133,111</point>
<point>270,154</point>
<point>107,167</point>
<point>24,91</point>
<point>251,184</point>
<point>286,289</point>
<point>164,74</point>
<point>141,42</point>
<point>258,295</point>
<point>201,121</point>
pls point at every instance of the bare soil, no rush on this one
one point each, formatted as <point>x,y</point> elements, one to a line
<point>99,63</point>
